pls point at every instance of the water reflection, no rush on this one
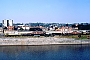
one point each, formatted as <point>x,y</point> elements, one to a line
<point>50,52</point>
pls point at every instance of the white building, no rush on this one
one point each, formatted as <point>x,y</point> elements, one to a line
<point>7,23</point>
<point>26,27</point>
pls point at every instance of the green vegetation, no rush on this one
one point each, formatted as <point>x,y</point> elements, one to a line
<point>78,37</point>
<point>82,37</point>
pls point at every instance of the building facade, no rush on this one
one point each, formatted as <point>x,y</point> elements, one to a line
<point>7,23</point>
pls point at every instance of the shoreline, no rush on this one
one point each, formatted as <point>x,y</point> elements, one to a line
<point>41,41</point>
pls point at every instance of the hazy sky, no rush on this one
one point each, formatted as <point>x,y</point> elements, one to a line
<point>61,11</point>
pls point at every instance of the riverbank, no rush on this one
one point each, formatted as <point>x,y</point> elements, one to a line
<point>41,41</point>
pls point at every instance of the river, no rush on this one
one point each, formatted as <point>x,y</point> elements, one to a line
<point>47,52</point>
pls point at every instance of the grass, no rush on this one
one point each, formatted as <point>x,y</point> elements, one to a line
<point>74,36</point>
<point>25,36</point>
<point>83,37</point>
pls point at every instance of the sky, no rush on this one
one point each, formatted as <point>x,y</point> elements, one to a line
<point>46,11</point>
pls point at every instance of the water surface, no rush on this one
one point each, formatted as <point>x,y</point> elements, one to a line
<point>49,52</point>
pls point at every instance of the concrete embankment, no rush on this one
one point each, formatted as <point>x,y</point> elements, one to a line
<point>40,41</point>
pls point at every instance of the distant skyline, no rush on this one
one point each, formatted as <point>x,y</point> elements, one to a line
<point>45,11</point>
